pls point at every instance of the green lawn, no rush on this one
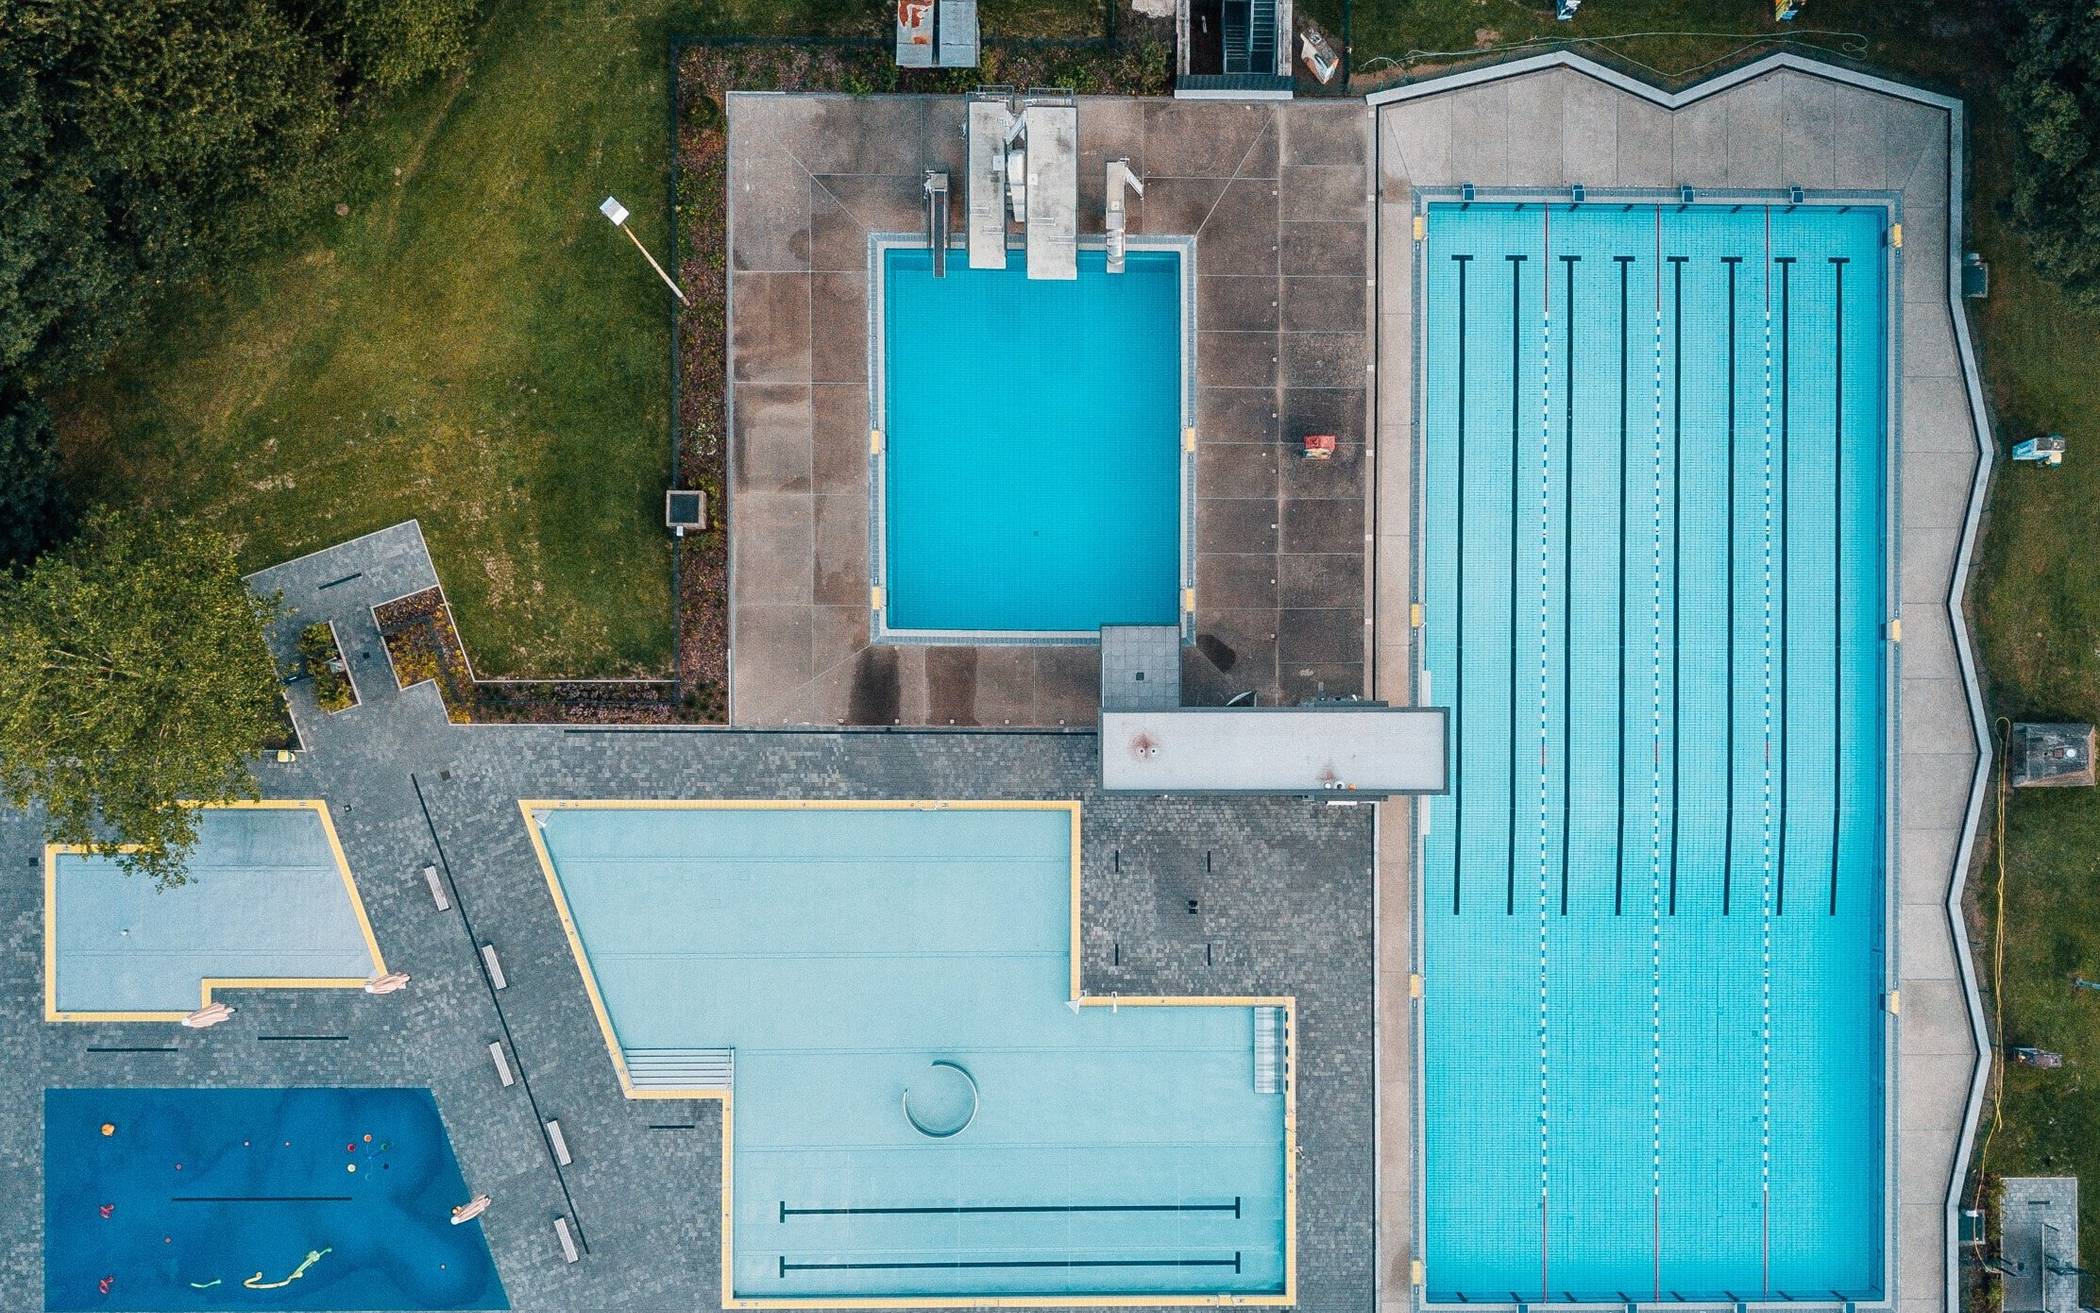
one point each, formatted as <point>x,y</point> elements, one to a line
<point>473,345</point>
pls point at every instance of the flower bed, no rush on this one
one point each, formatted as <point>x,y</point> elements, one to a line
<point>424,646</point>
<point>322,658</point>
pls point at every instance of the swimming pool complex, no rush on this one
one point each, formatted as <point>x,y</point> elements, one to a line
<point>921,1112</point>
<point>1654,553</point>
<point>1029,476</point>
<point>256,1199</point>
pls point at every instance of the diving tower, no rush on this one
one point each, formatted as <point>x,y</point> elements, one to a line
<point>1023,167</point>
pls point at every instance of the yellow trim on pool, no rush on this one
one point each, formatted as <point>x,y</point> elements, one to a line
<point>1289,1003</point>
<point>52,852</point>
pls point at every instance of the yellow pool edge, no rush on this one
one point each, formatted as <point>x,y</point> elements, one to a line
<point>1289,1003</point>
<point>207,984</point>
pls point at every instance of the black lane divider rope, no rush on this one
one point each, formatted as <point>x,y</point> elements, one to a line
<point>1837,591</point>
<point>517,1057</point>
<point>1786,531</point>
<point>1728,813</point>
<point>954,1210</point>
<point>268,1038</point>
<point>962,1264</point>
<point>1618,884</point>
<point>259,1199</point>
<point>1567,601</point>
<point>1676,560</point>
<point>1458,671</point>
<point>1516,295</point>
<point>131,1048</point>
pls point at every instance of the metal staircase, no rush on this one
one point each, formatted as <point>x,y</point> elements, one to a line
<point>1261,38</point>
<point>1237,21</point>
<point>680,1069</point>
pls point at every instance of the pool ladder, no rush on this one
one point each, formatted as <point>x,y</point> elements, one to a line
<point>1271,1047</point>
<point>680,1069</point>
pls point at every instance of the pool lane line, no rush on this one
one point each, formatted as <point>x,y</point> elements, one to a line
<point>976,1264</point>
<point>1655,793</point>
<point>1676,563</point>
<point>1765,903</point>
<point>1516,380</point>
<point>1458,629</point>
<point>1618,887</point>
<point>1786,535</point>
<point>1728,556</point>
<point>1545,713</point>
<point>953,1210</point>
<point>517,1056</point>
<point>131,1048</point>
<point>265,1039</point>
<point>1837,589</point>
<point>1567,595</point>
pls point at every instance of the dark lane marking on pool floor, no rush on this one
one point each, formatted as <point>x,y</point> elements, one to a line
<point>1676,562</point>
<point>1516,409</point>
<point>1728,565</point>
<point>952,1210</point>
<point>962,1264</point>
<point>1837,578</point>
<point>1618,886</point>
<point>260,1199</point>
<point>1458,628</point>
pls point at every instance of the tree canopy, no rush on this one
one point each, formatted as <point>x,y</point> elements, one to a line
<point>134,677</point>
<point>32,510</point>
<point>2053,103</point>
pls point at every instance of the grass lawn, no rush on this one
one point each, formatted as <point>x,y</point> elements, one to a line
<point>472,345</point>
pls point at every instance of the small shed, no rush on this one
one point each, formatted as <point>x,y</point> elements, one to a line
<point>2052,755</point>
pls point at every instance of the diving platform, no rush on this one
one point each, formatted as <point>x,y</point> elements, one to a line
<point>1022,166</point>
<point>1348,747</point>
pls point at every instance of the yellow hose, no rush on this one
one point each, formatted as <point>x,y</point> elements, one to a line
<point>1997,961</point>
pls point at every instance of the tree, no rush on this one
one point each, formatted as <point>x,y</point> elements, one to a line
<point>134,677</point>
<point>2053,102</point>
<point>32,512</point>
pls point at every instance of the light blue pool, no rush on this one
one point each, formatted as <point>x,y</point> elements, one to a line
<point>1031,467</point>
<point>1653,926</point>
<point>917,1110</point>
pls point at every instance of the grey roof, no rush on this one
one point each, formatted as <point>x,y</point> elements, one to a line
<point>1365,748</point>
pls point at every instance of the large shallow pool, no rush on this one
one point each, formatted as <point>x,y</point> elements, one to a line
<point>1030,469</point>
<point>919,1109</point>
<point>1653,905</point>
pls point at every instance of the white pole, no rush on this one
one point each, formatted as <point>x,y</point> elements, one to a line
<point>611,208</point>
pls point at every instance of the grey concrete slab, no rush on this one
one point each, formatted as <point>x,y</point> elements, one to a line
<point>1327,134</point>
<point>1238,235</point>
<point>1480,133</point>
<point>1238,304</point>
<point>1809,131</point>
<point>1935,716</point>
<point>771,438</point>
<point>1861,156</point>
<point>1323,360</point>
<point>1589,133</point>
<point>1535,129</point>
<point>1313,303</point>
<point>1416,143</point>
<point>1335,249</point>
<point>1236,414</point>
<point>839,439</point>
<point>1235,469</point>
<point>838,335</point>
<point>1188,139</point>
<point>769,342</point>
<point>1314,192</point>
<point>1647,135</point>
<point>1755,129</point>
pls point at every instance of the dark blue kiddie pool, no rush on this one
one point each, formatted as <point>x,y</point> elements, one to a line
<point>256,1199</point>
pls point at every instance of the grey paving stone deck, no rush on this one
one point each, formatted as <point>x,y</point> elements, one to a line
<point>1551,121</point>
<point>1277,198</point>
<point>1285,898</point>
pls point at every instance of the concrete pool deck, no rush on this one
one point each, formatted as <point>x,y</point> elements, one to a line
<point>1557,120</point>
<point>1285,890</point>
<point>1276,196</point>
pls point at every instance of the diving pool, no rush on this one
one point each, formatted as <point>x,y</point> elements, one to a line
<point>1656,527</point>
<point>1029,478</point>
<point>919,1111</point>
<point>256,1199</point>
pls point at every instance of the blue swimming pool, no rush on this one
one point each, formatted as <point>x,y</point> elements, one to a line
<point>256,1199</point>
<point>918,1110</point>
<point>1653,556</point>
<point>1030,477</point>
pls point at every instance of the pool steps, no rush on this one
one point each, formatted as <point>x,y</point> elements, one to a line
<point>1270,1047</point>
<point>680,1069</point>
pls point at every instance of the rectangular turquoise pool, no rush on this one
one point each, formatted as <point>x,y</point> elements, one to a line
<point>256,1199</point>
<point>1030,477</point>
<point>918,1110</point>
<point>1654,556</point>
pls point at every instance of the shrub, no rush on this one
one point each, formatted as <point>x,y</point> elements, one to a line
<point>324,665</point>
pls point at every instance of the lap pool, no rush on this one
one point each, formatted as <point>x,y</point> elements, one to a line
<point>915,1107</point>
<point>1654,558</point>
<point>1028,464</point>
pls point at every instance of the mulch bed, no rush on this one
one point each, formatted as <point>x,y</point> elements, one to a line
<point>424,645</point>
